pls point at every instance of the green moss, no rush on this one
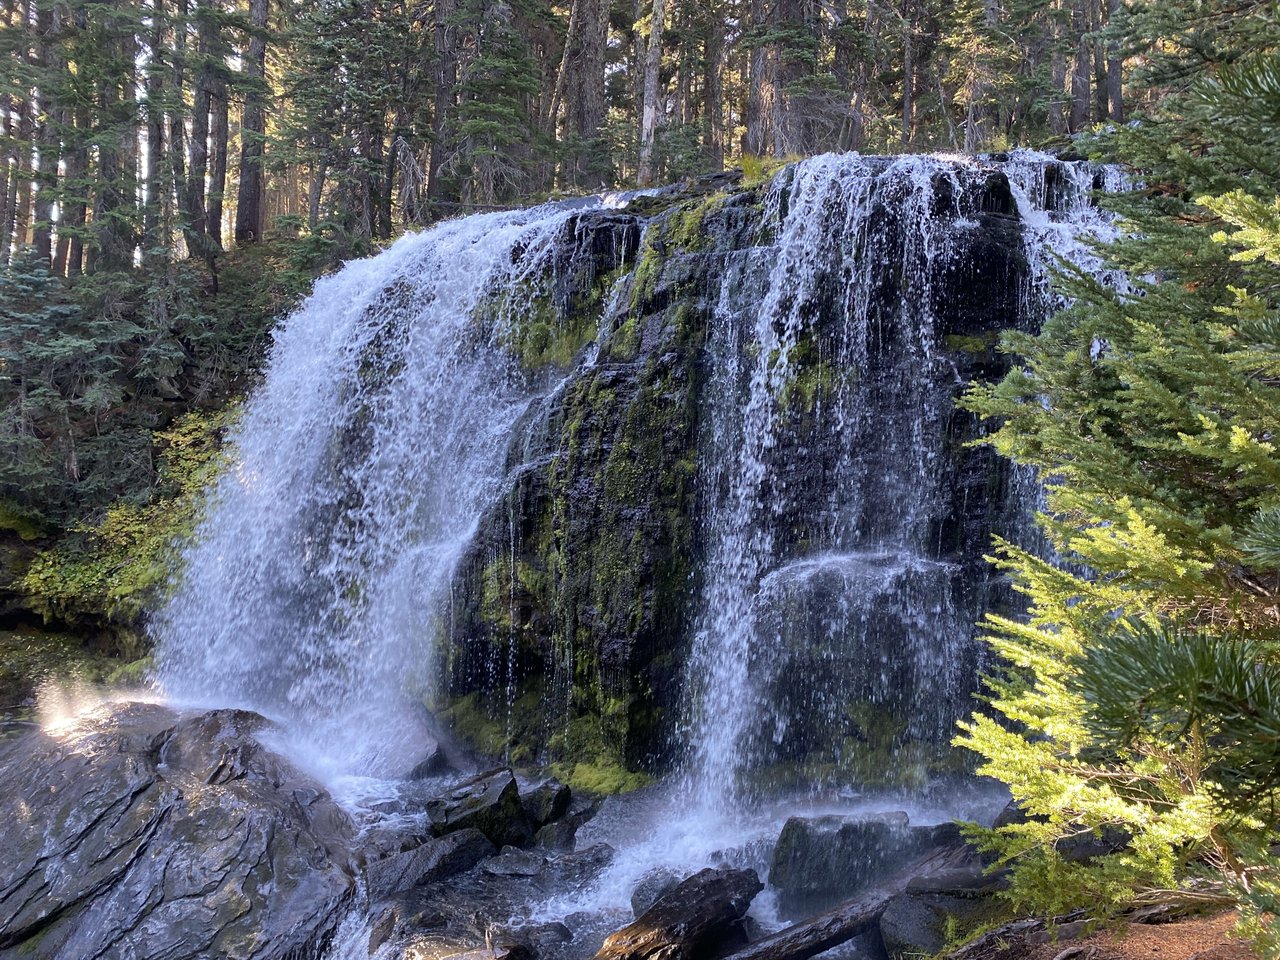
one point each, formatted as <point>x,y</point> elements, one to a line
<point>980,344</point>
<point>601,778</point>
<point>486,723</point>
<point>120,564</point>
<point>27,525</point>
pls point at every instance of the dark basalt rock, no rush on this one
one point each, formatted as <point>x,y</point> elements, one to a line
<point>653,886</point>
<point>701,912</point>
<point>488,802</point>
<point>820,861</point>
<point>433,860</point>
<point>547,802</point>
<point>434,763</point>
<point>467,908</point>
<point>918,923</point>
<point>178,836</point>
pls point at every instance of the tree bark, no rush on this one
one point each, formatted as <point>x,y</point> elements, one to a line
<point>1115,69</point>
<point>219,137</point>
<point>195,212</point>
<point>647,170</point>
<point>760,88</point>
<point>153,218</point>
<point>1081,67</point>
<point>253,127</point>
<point>713,93</point>
<point>48,26</point>
<point>446,80</point>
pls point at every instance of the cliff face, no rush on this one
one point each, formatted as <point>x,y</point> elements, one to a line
<point>576,611</point>
<point>628,483</point>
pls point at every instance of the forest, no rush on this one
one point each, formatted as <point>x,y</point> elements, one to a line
<point>176,174</point>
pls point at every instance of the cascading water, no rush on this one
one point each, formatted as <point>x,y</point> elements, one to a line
<point>424,452</point>
<point>321,575</point>
<point>842,599</point>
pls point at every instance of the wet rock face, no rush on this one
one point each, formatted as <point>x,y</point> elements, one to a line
<point>488,802</point>
<point>596,555</point>
<point>180,836</point>
<point>820,861</point>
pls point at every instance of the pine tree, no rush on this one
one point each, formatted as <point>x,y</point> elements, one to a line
<point>1138,696</point>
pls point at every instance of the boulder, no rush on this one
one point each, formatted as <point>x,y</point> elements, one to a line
<point>700,912</point>
<point>821,861</point>
<point>653,886</point>
<point>434,763</point>
<point>921,924</point>
<point>546,803</point>
<point>513,862</point>
<point>488,802</point>
<point>942,906</point>
<point>559,837</point>
<point>432,860</point>
<point>135,827</point>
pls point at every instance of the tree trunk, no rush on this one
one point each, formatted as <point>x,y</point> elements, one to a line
<point>713,93</point>
<point>253,127</point>
<point>1081,67</point>
<point>647,170</point>
<point>153,220</point>
<point>1115,70</point>
<point>446,81</point>
<point>908,73</point>
<point>760,89</point>
<point>195,213</point>
<point>48,27</point>
<point>219,136</point>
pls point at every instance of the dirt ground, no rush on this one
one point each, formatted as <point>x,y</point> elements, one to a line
<point>1194,938</point>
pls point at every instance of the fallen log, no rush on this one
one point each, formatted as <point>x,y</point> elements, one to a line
<point>696,914</point>
<point>810,937</point>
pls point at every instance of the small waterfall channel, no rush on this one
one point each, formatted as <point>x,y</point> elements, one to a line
<point>834,571</point>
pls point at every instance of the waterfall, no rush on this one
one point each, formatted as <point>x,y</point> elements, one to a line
<point>421,424</point>
<point>320,577</point>
<point>840,602</point>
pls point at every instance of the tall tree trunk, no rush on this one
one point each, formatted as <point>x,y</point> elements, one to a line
<point>446,81</point>
<point>219,141</point>
<point>72,223</point>
<point>760,87</point>
<point>1059,113</point>
<point>647,169</point>
<point>48,27</point>
<point>195,212</point>
<point>908,73</point>
<point>1081,67</point>
<point>253,128</point>
<point>1115,70</point>
<point>713,92</point>
<point>153,222</point>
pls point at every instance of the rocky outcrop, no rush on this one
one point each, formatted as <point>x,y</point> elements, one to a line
<point>431,861</point>
<point>820,861</point>
<point>583,581</point>
<point>488,802</point>
<point>180,836</point>
<point>701,912</point>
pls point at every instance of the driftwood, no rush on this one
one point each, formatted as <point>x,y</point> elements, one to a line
<point>810,937</point>
<point>698,912</point>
